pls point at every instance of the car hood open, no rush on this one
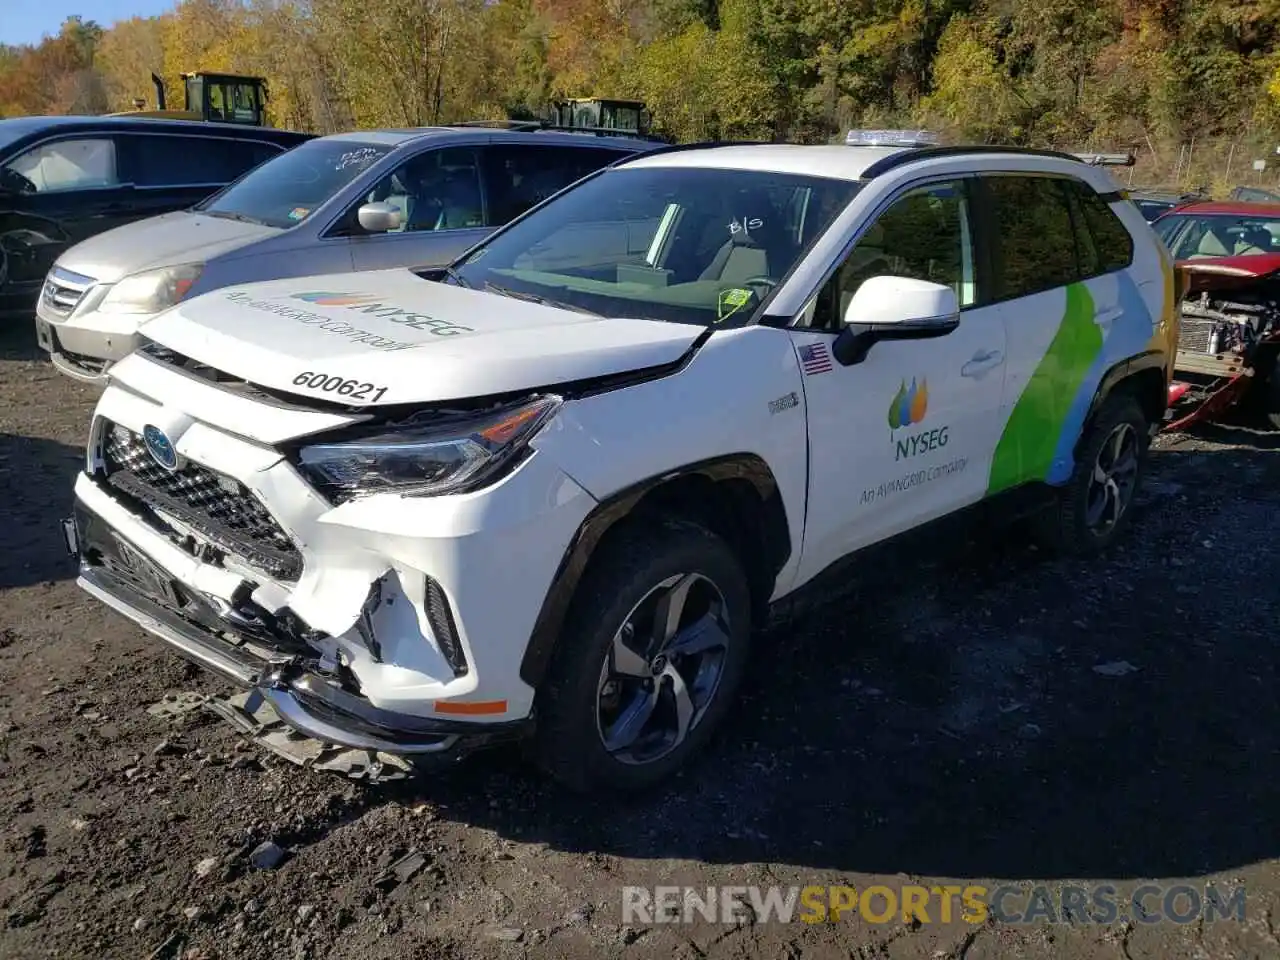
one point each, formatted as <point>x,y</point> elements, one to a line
<point>164,241</point>
<point>410,340</point>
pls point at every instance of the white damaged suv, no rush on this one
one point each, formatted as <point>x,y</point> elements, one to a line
<point>551,491</point>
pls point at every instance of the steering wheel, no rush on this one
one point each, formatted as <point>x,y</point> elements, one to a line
<point>766,285</point>
<point>15,182</point>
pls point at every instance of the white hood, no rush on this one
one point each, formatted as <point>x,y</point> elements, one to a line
<point>164,241</point>
<point>411,340</point>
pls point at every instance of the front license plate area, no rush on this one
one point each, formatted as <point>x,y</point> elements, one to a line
<point>150,578</point>
<point>44,336</point>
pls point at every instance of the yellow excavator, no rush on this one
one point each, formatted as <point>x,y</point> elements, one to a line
<point>213,97</point>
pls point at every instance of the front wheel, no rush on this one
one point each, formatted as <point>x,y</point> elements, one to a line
<point>1094,507</point>
<point>653,651</point>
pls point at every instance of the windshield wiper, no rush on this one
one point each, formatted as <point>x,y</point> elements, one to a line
<point>456,277</point>
<point>242,217</point>
<point>534,298</point>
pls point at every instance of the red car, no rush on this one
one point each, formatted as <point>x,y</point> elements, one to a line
<point>1228,255</point>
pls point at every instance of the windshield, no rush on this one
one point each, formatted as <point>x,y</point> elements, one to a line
<point>687,244</point>
<point>1197,238</point>
<point>287,189</point>
<point>1151,209</point>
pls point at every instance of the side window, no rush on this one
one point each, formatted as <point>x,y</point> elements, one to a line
<point>519,176</point>
<point>925,235</point>
<point>177,161</point>
<point>435,190</point>
<point>1111,240</point>
<point>1034,235</point>
<point>69,165</point>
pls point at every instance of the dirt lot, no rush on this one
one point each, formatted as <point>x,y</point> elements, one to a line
<point>950,727</point>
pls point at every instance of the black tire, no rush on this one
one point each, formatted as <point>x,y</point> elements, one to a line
<point>1065,527</point>
<point>569,740</point>
<point>1269,390</point>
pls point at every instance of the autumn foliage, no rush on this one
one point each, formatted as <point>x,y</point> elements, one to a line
<point>1063,72</point>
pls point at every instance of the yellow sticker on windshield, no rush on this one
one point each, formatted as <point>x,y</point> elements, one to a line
<point>731,301</point>
<point>297,213</point>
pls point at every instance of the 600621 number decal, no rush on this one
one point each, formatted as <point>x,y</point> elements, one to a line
<point>343,388</point>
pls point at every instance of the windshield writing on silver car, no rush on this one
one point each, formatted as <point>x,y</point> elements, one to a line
<point>288,189</point>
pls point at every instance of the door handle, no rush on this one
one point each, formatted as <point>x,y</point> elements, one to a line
<point>982,363</point>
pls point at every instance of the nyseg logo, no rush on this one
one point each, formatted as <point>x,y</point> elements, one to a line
<point>909,407</point>
<point>325,299</point>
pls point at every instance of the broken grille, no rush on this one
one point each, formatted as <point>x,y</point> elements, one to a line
<point>218,507</point>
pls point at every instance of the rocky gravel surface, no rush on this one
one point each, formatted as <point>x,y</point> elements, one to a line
<point>985,715</point>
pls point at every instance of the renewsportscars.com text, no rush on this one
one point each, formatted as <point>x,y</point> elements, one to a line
<point>1008,903</point>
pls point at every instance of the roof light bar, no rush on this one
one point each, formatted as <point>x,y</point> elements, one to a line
<point>1106,159</point>
<point>891,138</point>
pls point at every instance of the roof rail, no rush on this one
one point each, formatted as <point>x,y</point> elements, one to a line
<point>1107,159</point>
<point>912,154</point>
<point>559,128</point>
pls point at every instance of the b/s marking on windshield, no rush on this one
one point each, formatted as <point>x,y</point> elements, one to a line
<point>329,383</point>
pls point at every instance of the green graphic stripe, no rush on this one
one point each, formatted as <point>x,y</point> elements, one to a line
<point>1026,448</point>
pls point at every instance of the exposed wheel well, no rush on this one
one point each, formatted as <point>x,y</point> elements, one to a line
<point>733,509</point>
<point>735,498</point>
<point>1150,389</point>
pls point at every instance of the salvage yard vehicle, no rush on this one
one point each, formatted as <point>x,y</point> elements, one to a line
<point>549,491</point>
<point>64,179</point>
<point>1155,203</point>
<point>352,201</point>
<point>1229,253</point>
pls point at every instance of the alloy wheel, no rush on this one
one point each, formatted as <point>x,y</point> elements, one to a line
<point>663,669</point>
<point>1113,480</point>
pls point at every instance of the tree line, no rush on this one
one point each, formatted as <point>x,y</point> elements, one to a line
<point>1083,74</point>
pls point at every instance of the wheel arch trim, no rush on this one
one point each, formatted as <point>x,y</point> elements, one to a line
<point>607,514</point>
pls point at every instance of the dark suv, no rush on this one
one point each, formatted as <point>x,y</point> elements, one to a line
<point>63,179</point>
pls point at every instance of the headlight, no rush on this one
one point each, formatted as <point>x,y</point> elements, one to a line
<point>443,456</point>
<point>152,290</point>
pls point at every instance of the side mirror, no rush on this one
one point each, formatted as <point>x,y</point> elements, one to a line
<point>378,217</point>
<point>894,308</point>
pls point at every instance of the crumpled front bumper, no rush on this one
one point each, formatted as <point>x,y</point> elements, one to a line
<point>308,702</point>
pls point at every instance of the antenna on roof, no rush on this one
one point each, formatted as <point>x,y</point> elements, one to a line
<point>891,138</point>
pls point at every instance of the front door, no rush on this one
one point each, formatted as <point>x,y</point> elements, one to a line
<point>62,192</point>
<point>906,435</point>
<point>441,203</point>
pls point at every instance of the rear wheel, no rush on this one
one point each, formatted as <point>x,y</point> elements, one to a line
<point>1094,507</point>
<point>1268,390</point>
<point>651,657</point>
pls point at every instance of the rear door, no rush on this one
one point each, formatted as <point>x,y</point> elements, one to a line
<point>1071,308</point>
<point>75,189</point>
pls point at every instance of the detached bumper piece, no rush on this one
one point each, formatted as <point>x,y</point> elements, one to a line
<point>289,708</point>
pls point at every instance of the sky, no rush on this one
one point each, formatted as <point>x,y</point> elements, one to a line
<point>26,21</point>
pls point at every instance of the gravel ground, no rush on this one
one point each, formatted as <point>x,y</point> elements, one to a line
<point>954,728</point>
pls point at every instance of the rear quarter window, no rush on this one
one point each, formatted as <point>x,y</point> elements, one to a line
<point>1110,238</point>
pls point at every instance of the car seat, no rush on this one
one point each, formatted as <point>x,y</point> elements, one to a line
<point>459,202</point>
<point>1210,245</point>
<point>760,251</point>
<point>1253,240</point>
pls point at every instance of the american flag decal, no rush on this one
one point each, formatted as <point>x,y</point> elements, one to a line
<point>814,358</point>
